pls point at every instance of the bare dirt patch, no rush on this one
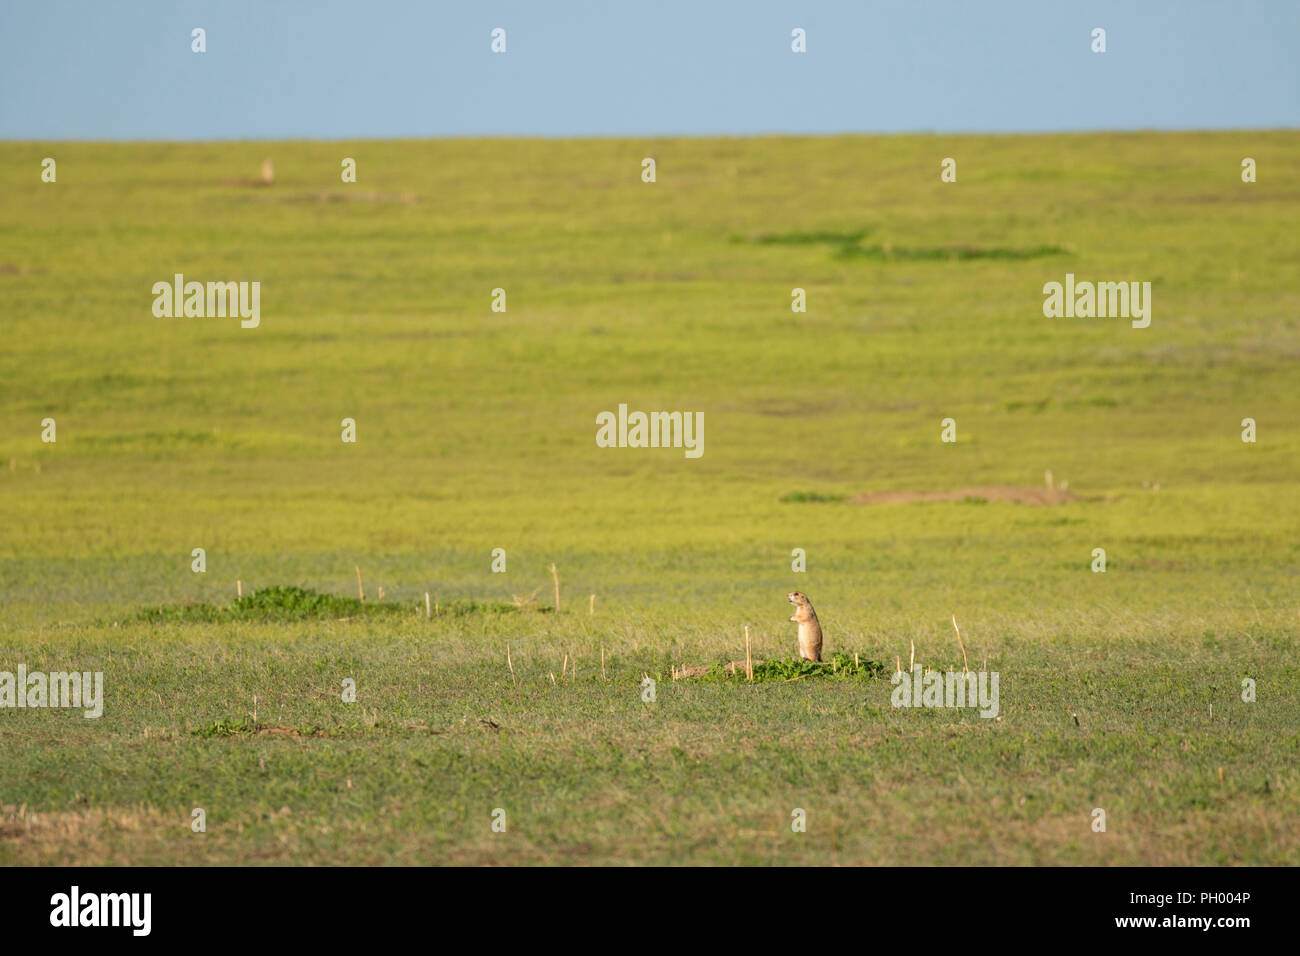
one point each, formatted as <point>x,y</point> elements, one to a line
<point>21,823</point>
<point>1013,493</point>
<point>343,194</point>
<point>349,195</point>
<point>687,671</point>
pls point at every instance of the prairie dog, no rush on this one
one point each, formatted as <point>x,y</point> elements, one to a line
<point>810,629</point>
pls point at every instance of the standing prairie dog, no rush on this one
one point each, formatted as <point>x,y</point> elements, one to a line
<point>810,629</point>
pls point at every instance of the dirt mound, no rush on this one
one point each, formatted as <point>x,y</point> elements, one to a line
<point>1019,495</point>
<point>687,671</point>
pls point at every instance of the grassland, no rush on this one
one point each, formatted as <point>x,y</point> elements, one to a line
<point>476,431</point>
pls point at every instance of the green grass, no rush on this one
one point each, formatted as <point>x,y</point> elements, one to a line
<point>476,431</point>
<point>837,666</point>
<point>802,497</point>
<point>292,603</point>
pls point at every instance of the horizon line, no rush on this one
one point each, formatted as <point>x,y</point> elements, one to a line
<point>768,134</point>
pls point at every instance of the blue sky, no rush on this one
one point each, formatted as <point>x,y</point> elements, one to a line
<point>386,68</point>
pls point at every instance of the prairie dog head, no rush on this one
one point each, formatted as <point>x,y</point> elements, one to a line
<point>798,599</point>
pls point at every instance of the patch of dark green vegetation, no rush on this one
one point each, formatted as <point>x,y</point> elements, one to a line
<point>848,245</point>
<point>1038,405</point>
<point>838,666</point>
<point>813,238</point>
<point>291,603</point>
<point>960,253</point>
<point>226,727</point>
<point>460,607</point>
<point>247,727</point>
<point>799,497</point>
